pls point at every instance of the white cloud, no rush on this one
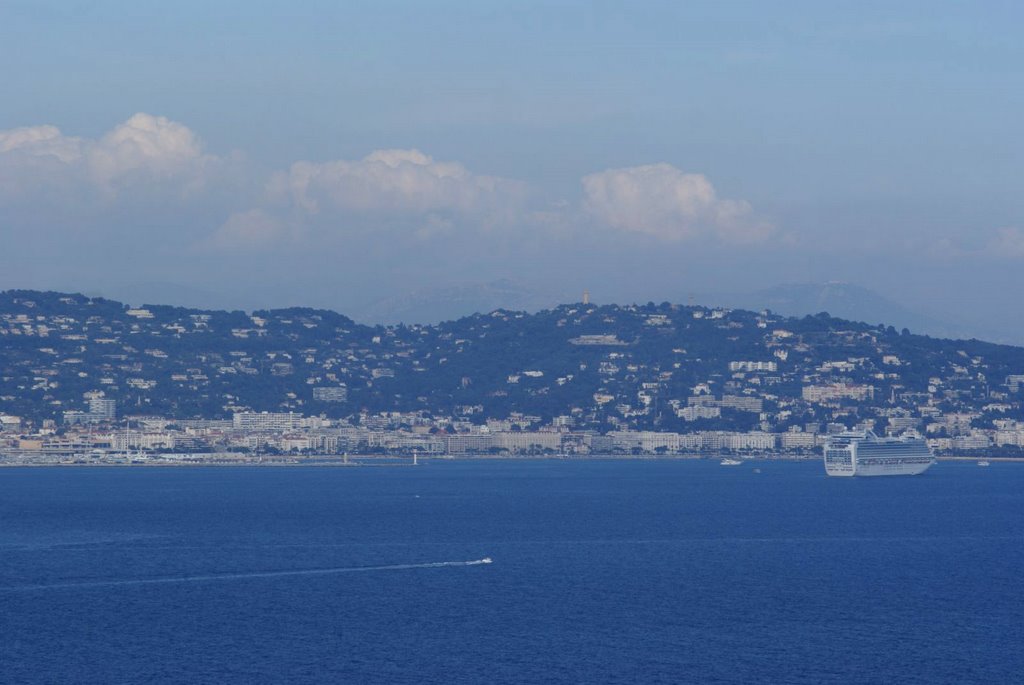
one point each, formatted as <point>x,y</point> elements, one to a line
<point>661,201</point>
<point>150,164</point>
<point>40,141</point>
<point>39,165</point>
<point>145,153</point>
<point>398,182</point>
<point>399,190</point>
<point>153,146</point>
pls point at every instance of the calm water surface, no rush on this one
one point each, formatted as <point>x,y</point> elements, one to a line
<point>617,572</point>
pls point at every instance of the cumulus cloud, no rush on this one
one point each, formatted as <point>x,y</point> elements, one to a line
<point>155,146</point>
<point>143,153</point>
<point>150,164</point>
<point>403,190</point>
<point>397,182</point>
<point>40,142</point>
<point>661,201</point>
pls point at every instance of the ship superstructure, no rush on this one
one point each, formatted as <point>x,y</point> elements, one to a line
<point>866,454</point>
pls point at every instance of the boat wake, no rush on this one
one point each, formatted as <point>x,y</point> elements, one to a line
<point>213,577</point>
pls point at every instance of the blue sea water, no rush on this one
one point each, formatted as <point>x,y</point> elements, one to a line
<point>603,572</point>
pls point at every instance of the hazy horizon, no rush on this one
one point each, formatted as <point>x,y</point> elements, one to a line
<point>347,156</point>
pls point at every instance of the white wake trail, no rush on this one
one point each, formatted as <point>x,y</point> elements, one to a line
<point>242,576</point>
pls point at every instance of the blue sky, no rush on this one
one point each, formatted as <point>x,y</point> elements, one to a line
<point>643,150</point>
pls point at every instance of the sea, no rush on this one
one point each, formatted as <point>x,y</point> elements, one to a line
<point>602,571</point>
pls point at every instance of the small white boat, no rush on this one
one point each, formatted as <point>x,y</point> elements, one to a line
<point>486,560</point>
<point>983,462</point>
<point>730,462</point>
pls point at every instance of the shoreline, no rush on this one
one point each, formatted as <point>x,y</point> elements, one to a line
<point>382,461</point>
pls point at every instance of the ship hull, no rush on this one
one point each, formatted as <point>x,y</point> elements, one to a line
<point>913,469</point>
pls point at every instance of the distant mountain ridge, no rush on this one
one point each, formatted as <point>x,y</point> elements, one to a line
<point>448,302</point>
<point>845,301</point>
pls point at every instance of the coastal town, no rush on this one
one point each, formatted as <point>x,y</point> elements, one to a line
<point>86,380</point>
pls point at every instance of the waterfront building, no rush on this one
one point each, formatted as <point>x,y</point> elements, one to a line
<point>526,441</point>
<point>469,442</point>
<point>797,440</point>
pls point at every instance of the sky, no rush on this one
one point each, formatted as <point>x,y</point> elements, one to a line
<point>342,155</point>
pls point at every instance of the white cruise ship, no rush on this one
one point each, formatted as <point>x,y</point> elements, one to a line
<point>866,454</point>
